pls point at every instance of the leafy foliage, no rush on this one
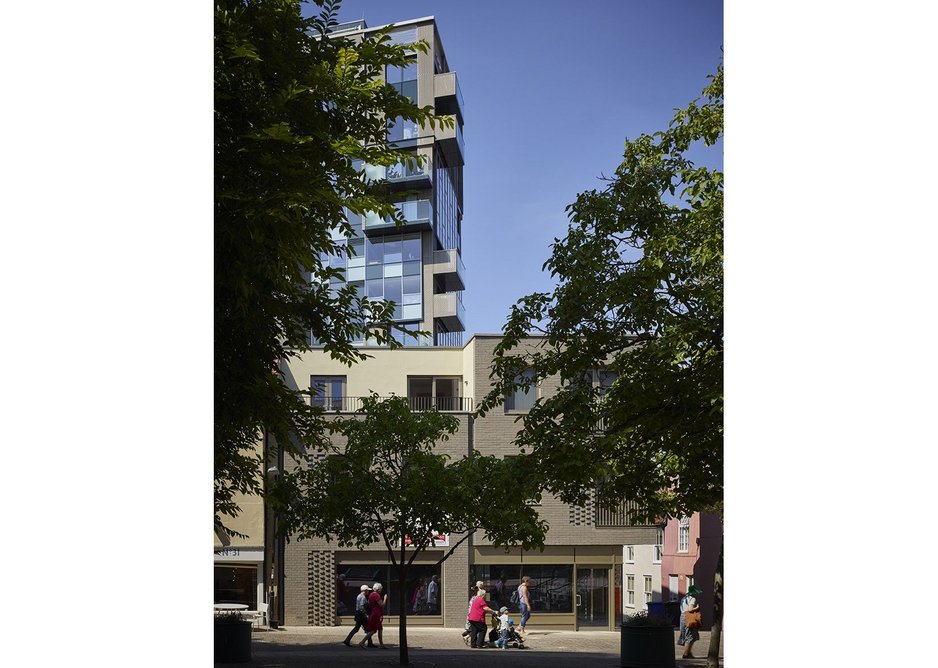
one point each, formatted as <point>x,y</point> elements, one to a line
<point>640,295</point>
<point>390,482</point>
<point>294,107</point>
<point>390,485</point>
<point>643,619</point>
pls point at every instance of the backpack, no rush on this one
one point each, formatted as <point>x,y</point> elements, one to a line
<point>515,596</point>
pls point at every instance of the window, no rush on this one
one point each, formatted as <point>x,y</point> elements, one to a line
<point>648,586</point>
<point>630,588</point>
<point>659,546</point>
<point>350,578</point>
<point>672,588</point>
<point>550,587</point>
<point>440,392</point>
<point>630,554</point>
<point>683,534</point>
<point>328,392</point>
<point>522,399</point>
<point>236,584</point>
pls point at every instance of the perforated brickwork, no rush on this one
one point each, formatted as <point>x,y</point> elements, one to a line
<point>321,609</point>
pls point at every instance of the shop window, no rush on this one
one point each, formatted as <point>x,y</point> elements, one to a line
<point>236,584</point>
<point>550,587</point>
<point>351,577</point>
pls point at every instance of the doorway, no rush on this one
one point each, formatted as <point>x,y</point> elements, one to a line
<point>592,596</point>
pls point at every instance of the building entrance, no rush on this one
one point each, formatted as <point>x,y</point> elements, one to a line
<point>592,596</point>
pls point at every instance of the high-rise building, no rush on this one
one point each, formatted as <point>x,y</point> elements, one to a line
<point>418,266</point>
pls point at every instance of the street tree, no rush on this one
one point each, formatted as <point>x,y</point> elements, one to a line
<point>297,112</point>
<point>634,331</point>
<point>390,485</point>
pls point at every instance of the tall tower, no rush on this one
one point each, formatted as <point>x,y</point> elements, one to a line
<point>418,266</point>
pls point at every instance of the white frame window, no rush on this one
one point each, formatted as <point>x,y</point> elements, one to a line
<point>630,554</point>
<point>648,589</point>
<point>683,534</point>
<point>630,588</point>
<point>659,547</point>
<point>672,588</point>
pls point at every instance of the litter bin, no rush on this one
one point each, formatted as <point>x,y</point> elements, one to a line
<point>656,609</point>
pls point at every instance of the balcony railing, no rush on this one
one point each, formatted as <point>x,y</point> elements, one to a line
<point>418,214</point>
<point>354,404</point>
<point>617,516</point>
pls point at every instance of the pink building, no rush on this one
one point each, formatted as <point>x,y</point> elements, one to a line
<point>691,550</point>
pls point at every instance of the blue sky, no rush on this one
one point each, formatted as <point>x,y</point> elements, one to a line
<point>552,89</point>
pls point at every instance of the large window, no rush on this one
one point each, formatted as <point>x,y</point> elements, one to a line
<point>648,592</point>
<point>236,584</point>
<point>683,534</point>
<point>659,546</point>
<point>550,587</point>
<point>351,577</point>
<point>630,589</point>
<point>442,393</point>
<point>522,399</point>
<point>328,391</point>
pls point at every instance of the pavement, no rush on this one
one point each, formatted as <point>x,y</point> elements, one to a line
<point>317,646</point>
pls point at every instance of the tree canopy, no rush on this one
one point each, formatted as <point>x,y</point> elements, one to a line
<point>297,109</point>
<point>639,296</point>
<point>391,485</point>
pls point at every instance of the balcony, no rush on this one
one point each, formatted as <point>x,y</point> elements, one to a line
<point>452,144</point>
<point>447,264</point>
<point>354,404</point>
<point>448,308</point>
<point>408,175</point>
<point>418,216</point>
<point>448,96</point>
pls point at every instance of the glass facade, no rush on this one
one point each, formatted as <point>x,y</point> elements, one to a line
<point>550,587</point>
<point>350,578</point>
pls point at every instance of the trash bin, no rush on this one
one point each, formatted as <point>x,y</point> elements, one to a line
<point>672,610</point>
<point>656,609</point>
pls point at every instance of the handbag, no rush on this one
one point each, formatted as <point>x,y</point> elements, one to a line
<point>692,619</point>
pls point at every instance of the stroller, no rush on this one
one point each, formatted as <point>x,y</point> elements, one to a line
<point>513,639</point>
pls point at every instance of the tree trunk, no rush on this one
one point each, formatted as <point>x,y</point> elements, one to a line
<point>402,604</point>
<point>716,631</point>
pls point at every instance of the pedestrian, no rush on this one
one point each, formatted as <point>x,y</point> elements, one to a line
<point>477,610</point>
<point>524,597</point>
<point>375,616</point>
<point>473,593</point>
<point>433,595</point>
<point>361,616</point>
<point>689,604</point>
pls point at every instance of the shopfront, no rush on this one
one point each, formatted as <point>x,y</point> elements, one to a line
<point>238,576</point>
<point>570,588</point>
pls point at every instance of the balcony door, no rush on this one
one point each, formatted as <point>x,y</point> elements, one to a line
<point>440,392</point>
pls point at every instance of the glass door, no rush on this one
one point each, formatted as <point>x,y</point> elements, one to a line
<point>592,596</point>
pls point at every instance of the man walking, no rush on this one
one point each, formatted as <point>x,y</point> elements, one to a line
<point>361,616</point>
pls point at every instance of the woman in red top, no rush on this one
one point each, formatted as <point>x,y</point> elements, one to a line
<point>376,616</point>
<point>477,610</point>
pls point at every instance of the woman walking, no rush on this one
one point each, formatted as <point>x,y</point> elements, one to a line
<point>478,627</point>
<point>376,616</point>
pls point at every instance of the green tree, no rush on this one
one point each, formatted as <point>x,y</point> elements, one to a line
<point>639,294</point>
<point>390,486</point>
<point>296,109</point>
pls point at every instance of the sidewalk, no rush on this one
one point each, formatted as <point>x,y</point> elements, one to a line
<point>293,647</point>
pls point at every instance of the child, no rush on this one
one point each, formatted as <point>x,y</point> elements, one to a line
<point>505,624</point>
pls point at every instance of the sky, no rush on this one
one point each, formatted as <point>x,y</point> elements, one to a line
<point>551,94</point>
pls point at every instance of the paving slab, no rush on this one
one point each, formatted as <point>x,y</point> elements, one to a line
<point>316,646</point>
